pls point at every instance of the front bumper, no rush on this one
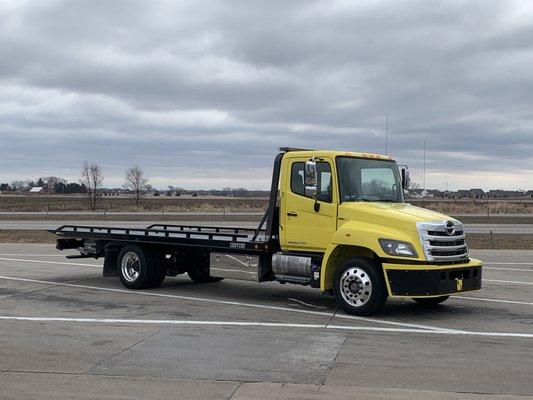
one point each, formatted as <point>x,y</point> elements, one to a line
<point>429,280</point>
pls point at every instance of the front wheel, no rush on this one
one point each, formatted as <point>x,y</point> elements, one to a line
<point>431,301</point>
<point>359,287</point>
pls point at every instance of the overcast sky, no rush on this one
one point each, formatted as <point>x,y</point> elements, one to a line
<point>201,93</point>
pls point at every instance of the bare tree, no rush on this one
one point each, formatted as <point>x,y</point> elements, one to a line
<point>92,177</point>
<point>136,182</point>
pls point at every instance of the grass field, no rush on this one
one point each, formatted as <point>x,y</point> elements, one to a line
<point>24,236</point>
<point>470,206</point>
<point>232,204</point>
<point>127,204</point>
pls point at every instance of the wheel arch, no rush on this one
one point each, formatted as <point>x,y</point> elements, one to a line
<point>335,255</point>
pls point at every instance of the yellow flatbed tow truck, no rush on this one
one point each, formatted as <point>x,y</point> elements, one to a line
<point>336,221</point>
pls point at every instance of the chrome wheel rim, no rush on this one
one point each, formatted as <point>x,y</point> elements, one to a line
<point>130,266</point>
<point>356,287</point>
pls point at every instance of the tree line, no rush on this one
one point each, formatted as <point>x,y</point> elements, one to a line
<point>135,183</point>
<point>52,184</point>
<point>90,184</point>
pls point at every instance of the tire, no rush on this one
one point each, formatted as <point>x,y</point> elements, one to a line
<point>160,272</point>
<point>359,287</point>
<point>159,277</point>
<point>431,301</point>
<point>136,267</point>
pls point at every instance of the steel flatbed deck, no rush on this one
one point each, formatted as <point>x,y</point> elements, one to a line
<point>230,239</point>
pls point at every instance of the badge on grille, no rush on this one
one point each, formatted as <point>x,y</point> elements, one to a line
<point>449,227</point>
<point>459,284</point>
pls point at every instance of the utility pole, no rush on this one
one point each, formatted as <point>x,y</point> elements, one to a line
<point>424,175</point>
<point>387,136</point>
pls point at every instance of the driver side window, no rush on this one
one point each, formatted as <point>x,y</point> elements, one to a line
<point>324,181</point>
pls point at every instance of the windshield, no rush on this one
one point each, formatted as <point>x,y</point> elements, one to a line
<point>361,179</point>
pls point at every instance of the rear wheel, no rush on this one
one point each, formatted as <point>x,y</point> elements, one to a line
<point>431,301</point>
<point>359,287</point>
<point>136,267</point>
<point>159,275</point>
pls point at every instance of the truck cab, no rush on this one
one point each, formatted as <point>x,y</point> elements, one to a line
<point>347,210</point>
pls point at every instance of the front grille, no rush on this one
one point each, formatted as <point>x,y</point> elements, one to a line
<point>447,253</point>
<point>452,243</point>
<point>437,233</point>
<point>439,244</point>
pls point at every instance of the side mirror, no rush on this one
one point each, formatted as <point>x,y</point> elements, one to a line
<point>310,178</point>
<point>405,178</point>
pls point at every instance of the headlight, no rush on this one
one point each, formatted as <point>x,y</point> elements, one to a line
<point>397,248</point>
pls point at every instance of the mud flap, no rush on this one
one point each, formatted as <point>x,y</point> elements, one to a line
<point>110,261</point>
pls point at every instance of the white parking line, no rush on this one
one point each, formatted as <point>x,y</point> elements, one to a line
<point>229,302</point>
<point>262,324</point>
<point>394,323</point>
<point>507,263</point>
<point>514,282</point>
<point>510,269</point>
<point>492,300</point>
<point>456,332</point>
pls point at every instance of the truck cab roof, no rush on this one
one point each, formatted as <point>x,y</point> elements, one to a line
<point>332,153</point>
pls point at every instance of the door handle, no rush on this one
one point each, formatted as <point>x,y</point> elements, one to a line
<point>292,214</point>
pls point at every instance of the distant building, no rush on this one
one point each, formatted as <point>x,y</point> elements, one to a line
<point>419,193</point>
<point>463,194</point>
<point>495,194</point>
<point>503,194</point>
<point>477,193</point>
<point>37,190</point>
<point>529,193</point>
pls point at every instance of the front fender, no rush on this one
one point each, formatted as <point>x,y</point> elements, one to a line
<point>361,239</point>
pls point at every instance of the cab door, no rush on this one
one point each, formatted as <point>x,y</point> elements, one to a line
<point>304,228</point>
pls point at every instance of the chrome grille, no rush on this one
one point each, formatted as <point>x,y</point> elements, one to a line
<point>440,243</point>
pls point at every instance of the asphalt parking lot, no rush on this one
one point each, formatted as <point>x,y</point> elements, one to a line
<point>65,331</point>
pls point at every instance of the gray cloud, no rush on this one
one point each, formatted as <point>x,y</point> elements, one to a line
<point>207,90</point>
